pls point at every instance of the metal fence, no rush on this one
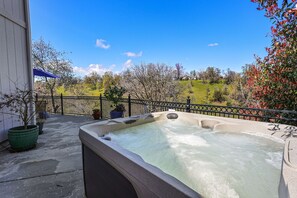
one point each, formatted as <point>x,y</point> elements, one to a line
<point>83,105</point>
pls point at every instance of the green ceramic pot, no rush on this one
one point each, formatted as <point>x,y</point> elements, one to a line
<point>21,139</point>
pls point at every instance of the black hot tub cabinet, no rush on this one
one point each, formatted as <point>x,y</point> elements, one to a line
<point>111,171</point>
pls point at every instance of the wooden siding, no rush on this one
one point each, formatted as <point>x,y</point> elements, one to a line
<point>15,62</point>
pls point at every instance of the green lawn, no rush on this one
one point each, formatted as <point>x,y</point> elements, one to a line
<point>199,92</point>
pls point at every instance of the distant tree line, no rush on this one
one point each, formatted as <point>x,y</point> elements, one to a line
<point>211,75</point>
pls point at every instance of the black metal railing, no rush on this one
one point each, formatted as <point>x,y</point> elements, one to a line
<point>83,105</point>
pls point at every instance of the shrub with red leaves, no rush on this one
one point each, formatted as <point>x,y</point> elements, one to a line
<point>273,79</point>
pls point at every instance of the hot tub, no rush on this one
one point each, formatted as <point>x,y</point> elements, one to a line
<point>113,169</point>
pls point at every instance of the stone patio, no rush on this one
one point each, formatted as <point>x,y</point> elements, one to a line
<point>52,169</point>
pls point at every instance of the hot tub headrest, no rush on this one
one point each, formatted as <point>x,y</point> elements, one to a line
<point>172,116</point>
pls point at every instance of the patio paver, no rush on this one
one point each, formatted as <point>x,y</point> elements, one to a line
<point>52,169</point>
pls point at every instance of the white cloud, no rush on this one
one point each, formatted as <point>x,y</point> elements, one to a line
<point>102,44</point>
<point>111,67</point>
<point>213,44</point>
<point>127,64</point>
<point>79,71</point>
<point>98,68</point>
<point>132,54</point>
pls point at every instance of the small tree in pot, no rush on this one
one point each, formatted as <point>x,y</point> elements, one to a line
<point>115,95</point>
<point>21,103</point>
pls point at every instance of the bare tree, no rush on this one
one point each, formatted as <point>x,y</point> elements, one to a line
<point>47,58</point>
<point>230,76</point>
<point>93,79</point>
<point>179,70</point>
<point>202,76</point>
<point>193,74</point>
<point>154,82</point>
<point>109,79</point>
<point>213,74</point>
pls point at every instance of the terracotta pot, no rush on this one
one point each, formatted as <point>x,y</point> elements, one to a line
<point>96,114</point>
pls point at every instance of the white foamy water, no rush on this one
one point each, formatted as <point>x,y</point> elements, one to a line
<point>213,164</point>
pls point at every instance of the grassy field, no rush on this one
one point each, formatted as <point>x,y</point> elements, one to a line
<point>198,91</point>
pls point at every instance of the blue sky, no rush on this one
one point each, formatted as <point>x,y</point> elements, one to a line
<point>114,34</point>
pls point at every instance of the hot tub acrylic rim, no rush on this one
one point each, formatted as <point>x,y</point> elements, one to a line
<point>252,128</point>
<point>104,148</point>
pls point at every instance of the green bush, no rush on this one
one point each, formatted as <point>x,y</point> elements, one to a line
<point>114,94</point>
<point>218,96</point>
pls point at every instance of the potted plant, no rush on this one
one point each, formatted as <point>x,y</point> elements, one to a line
<point>96,114</point>
<point>115,94</point>
<point>41,114</point>
<point>21,103</point>
<point>40,120</point>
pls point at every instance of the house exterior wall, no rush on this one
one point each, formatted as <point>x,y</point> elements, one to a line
<point>15,54</point>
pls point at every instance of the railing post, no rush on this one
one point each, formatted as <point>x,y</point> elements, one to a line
<point>62,105</point>
<point>129,105</point>
<point>100,99</point>
<point>188,106</point>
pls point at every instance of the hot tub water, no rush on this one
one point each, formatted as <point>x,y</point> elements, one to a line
<point>215,164</point>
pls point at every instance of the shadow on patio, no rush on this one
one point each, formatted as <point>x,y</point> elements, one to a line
<point>52,169</point>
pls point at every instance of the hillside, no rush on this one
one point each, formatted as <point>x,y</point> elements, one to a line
<point>198,91</point>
